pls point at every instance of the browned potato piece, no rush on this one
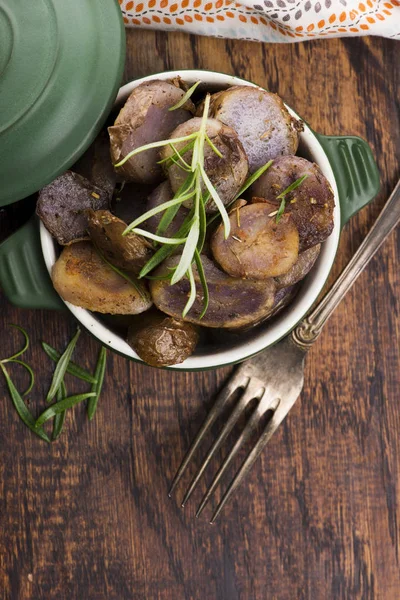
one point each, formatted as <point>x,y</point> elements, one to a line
<point>302,266</point>
<point>227,174</point>
<point>96,165</point>
<point>82,278</point>
<point>233,302</point>
<point>62,205</point>
<point>257,247</point>
<point>162,341</point>
<point>145,118</point>
<point>311,204</point>
<point>261,120</point>
<point>129,253</point>
<point>162,194</point>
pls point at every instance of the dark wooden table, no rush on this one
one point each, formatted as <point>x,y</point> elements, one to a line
<point>88,518</point>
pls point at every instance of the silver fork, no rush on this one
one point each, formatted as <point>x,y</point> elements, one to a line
<point>274,378</point>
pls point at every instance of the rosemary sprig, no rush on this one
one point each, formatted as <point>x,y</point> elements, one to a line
<point>60,407</point>
<point>72,368</point>
<point>282,196</point>
<point>21,408</point>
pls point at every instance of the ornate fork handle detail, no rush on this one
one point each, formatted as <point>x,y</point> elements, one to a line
<point>309,329</point>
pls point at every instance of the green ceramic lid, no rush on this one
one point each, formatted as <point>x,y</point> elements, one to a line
<point>61,63</point>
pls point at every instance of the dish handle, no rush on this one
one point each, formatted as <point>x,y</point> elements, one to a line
<point>23,274</point>
<point>355,170</point>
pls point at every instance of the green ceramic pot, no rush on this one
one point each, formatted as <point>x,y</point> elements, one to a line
<point>27,257</point>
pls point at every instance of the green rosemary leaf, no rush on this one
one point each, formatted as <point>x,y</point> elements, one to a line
<point>73,368</point>
<point>203,221</point>
<point>203,281</point>
<point>97,387</point>
<point>188,252</point>
<point>192,295</point>
<point>169,215</point>
<point>59,419</point>
<point>218,202</point>
<point>59,407</point>
<point>252,179</point>
<point>61,367</point>
<point>179,164</point>
<point>217,152</point>
<point>186,97</point>
<point>154,145</point>
<point>182,151</point>
<point>292,187</point>
<point>281,210</point>
<point>28,368</point>
<point>154,211</point>
<point>159,238</point>
<point>21,408</point>
<point>26,346</point>
<point>179,158</point>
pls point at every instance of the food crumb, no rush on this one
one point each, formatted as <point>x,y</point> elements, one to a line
<point>313,201</point>
<point>30,577</point>
<point>95,195</point>
<point>275,212</point>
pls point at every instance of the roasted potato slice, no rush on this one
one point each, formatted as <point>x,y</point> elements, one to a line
<point>96,166</point>
<point>62,205</point>
<point>161,194</point>
<point>301,267</point>
<point>233,302</point>
<point>261,120</point>
<point>162,341</point>
<point>310,205</point>
<point>129,253</point>
<point>257,247</point>
<point>145,118</point>
<point>82,278</point>
<point>227,174</point>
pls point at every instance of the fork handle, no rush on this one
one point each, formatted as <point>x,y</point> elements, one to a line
<point>309,329</point>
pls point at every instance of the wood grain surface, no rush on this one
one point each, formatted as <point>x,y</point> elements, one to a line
<point>88,518</point>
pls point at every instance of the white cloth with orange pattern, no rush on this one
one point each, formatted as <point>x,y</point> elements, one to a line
<point>267,20</point>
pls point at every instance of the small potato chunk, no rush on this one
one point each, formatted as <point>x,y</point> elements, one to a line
<point>227,174</point>
<point>233,302</point>
<point>145,118</point>
<point>261,120</point>
<point>62,205</point>
<point>310,205</point>
<point>162,194</point>
<point>162,341</point>
<point>82,278</point>
<point>301,267</point>
<point>96,165</point>
<point>129,253</point>
<point>257,247</point>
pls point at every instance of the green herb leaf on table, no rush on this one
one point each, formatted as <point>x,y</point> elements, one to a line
<point>26,346</point>
<point>73,368</point>
<point>61,406</point>
<point>97,387</point>
<point>59,419</point>
<point>21,408</point>
<point>61,367</point>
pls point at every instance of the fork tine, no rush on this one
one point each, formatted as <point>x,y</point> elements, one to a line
<point>237,380</point>
<point>247,464</point>
<point>244,436</point>
<point>249,393</point>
